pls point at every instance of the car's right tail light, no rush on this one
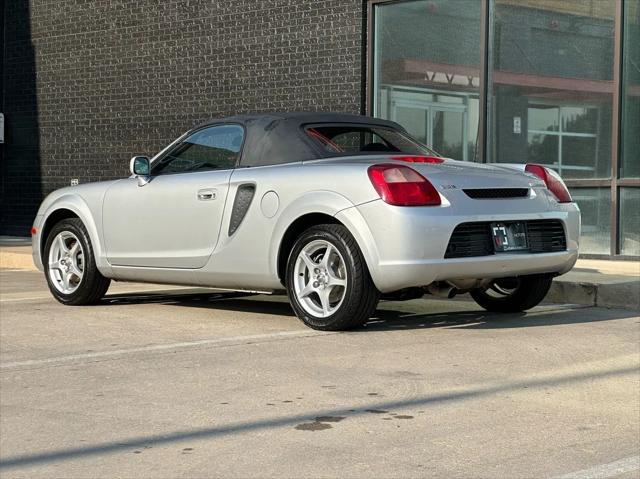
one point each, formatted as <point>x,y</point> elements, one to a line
<point>553,181</point>
<point>400,185</point>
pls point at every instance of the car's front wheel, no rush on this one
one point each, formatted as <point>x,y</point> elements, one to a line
<point>327,280</point>
<point>510,295</point>
<point>70,266</point>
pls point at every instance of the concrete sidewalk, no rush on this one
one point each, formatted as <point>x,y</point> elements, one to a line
<point>608,284</point>
<point>15,253</point>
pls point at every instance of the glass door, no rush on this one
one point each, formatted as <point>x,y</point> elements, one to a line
<point>448,132</point>
<point>441,126</point>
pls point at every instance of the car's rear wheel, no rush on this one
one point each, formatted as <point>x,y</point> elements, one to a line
<point>70,266</point>
<point>327,280</point>
<point>509,295</point>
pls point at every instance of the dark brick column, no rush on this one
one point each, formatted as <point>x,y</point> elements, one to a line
<point>104,80</point>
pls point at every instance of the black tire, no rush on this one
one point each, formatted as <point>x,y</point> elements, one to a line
<point>522,293</point>
<point>93,286</point>
<point>360,294</point>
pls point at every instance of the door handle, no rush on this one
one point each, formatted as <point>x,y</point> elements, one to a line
<point>206,195</point>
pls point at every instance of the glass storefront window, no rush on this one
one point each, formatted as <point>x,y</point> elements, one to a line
<point>630,130</point>
<point>426,71</point>
<point>595,207</point>
<point>550,96</point>
<point>553,77</point>
<point>630,221</point>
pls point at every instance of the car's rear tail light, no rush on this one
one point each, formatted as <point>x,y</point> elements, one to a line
<point>552,180</point>
<point>418,159</point>
<point>400,185</point>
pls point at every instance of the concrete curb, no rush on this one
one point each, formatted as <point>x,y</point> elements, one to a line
<point>623,294</point>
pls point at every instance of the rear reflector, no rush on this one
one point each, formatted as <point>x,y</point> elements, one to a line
<point>400,185</point>
<point>553,181</point>
<point>418,159</point>
<point>33,230</point>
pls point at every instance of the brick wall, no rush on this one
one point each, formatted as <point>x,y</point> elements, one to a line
<point>88,83</point>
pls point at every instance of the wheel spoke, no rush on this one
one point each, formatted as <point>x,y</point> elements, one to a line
<point>54,265</point>
<point>307,290</point>
<point>335,281</point>
<point>324,300</point>
<point>74,249</point>
<point>65,279</point>
<point>76,271</point>
<point>62,245</point>
<point>327,254</point>
<point>308,261</point>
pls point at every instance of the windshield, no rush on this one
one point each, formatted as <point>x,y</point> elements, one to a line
<point>337,140</point>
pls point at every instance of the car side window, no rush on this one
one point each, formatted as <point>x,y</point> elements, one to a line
<point>213,148</point>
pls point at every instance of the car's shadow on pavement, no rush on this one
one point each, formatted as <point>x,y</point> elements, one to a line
<point>386,317</point>
<point>401,320</point>
<point>228,301</point>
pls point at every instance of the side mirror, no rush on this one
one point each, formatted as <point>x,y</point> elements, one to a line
<point>141,168</point>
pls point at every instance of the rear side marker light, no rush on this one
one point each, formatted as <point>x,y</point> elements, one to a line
<point>33,231</point>
<point>400,185</point>
<point>419,159</point>
<point>553,181</point>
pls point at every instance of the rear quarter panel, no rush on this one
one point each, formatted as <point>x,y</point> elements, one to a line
<point>248,259</point>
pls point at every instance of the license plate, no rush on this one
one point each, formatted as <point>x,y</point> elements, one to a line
<point>509,237</point>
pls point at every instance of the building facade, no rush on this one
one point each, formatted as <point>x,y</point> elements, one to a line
<point>86,85</point>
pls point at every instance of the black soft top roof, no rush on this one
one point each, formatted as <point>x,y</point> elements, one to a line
<point>302,118</point>
<point>277,138</point>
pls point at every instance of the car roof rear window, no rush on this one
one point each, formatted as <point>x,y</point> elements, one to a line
<point>338,140</point>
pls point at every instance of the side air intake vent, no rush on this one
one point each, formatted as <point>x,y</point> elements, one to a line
<point>496,193</point>
<point>241,204</point>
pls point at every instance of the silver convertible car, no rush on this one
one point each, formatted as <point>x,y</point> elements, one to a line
<point>337,210</point>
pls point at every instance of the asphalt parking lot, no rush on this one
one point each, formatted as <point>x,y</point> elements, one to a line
<point>159,382</point>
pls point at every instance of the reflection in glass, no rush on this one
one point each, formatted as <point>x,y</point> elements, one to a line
<point>595,206</point>
<point>630,152</point>
<point>579,159</point>
<point>630,221</point>
<point>426,71</point>
<point>448,133</point>
<point>543,117</point>
<point>414,120</point>
<point>579,119</point>
<point>553,69</point>
<point>543,149</point>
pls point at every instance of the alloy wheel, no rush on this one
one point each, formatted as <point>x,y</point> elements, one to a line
<point>502,288</point>
<point>320,282</point>
<point>66,262</point>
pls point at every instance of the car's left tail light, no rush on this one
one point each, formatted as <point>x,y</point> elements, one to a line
<point>400,185</point>
<point>553,181</point>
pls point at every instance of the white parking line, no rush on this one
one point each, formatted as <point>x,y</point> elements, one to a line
<point>28,298</point>
<point>165,347</point>
<point>602,471</point>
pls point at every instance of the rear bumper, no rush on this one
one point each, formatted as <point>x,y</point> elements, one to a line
<point>405,247</point>
<point>393,276</point>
